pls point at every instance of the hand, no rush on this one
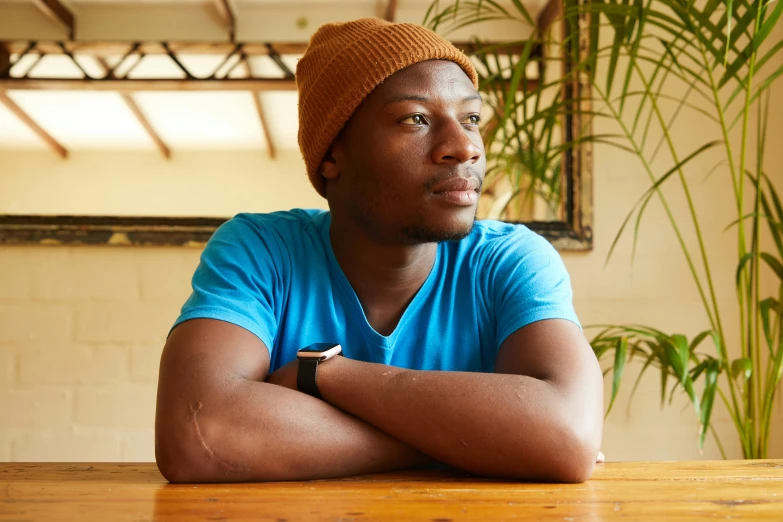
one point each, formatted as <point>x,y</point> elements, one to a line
<point>285,375</point>
<point>600,459</point>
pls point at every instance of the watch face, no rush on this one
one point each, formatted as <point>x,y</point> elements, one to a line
<point>318,347</point>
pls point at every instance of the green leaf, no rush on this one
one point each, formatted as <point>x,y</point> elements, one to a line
<point>621,349</point>
<point>775,227</point>
<point>650,359</point>
<point>674,349</point>
<point>697,370</point>
<point>765,306</point>
<point>741,369</point>
<point>620,36</point>
<point>716,340</point>
<point>743,218</point>
<point>768,24</point>
<point>698,339</point>
<point>729,18</point>
<point>741,266</point>
<point>683,350</point>
<point>774,195</point>
<point>708,399</point>
<point>759,65</point>
<point>664,378</point>
<point>763,86</point>
<point>592,58</point>
<point>774,264</point>
<point>634,50</point>
<point>524,12</point>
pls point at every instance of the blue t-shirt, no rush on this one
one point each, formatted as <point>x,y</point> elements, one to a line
<point>276,276</point>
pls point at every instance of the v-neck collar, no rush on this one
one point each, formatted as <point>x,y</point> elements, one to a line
<point>385,342</point>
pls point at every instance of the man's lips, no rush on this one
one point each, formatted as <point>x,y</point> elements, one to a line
<point>458,184</point>
<point>459,191</point>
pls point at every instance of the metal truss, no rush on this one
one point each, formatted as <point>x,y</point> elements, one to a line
<point>117,77</point>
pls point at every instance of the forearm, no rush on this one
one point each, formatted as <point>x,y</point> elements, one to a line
<point>256,431</point>
<point>489,424</point>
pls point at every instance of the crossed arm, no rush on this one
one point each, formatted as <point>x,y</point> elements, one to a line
<point>221,417</point>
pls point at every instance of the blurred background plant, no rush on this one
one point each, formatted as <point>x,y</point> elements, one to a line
<point>725,58</point>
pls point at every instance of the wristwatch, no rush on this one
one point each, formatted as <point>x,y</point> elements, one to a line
<point>309,359</point>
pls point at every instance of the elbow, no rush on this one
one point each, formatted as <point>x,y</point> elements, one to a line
<point>575,466</point>
<point>174,472</point>
<point>575,458</point>
<point>181,451</point>
<point>176,462</point>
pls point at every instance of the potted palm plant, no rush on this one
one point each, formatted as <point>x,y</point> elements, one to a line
<point>725,56</point>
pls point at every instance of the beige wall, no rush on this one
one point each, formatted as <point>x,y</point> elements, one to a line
<point>132,183</point>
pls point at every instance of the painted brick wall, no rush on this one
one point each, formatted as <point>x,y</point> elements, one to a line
<point>81,332</point>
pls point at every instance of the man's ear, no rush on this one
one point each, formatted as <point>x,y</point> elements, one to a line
<point>328,168</point>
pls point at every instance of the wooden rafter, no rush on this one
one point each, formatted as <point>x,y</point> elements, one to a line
<point>391,10</point>
<point>227,15</point>
<point>5,58</point>
<point>548,15</point>
<point>261,114</point>
<point>131,85</point>
<point>58,13</point>
<point>27,120</point>
<point>137,112</point>
<point>264,124</point>
<point>180,48</point>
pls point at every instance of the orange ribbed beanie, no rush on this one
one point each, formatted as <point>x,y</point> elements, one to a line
<point>344,63</point>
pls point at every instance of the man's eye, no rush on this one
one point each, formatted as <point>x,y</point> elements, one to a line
<point>416,119</point>
<point>473,119</point>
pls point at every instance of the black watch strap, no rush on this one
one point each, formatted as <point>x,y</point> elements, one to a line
<point>305,377</point>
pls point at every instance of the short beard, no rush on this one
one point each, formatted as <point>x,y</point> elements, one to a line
<point>426,234</point>
<point>430,235</point>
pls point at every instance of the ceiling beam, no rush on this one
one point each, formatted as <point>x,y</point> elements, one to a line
<point>261,114</point>
<point>132,85</point>
<point>137,112</point>
<point>5,58</point>
<point>27,120</point>
<point>264,124</point>
<point>59,14</point>
<point>227,15</point>
<point>179,48</point>
<point>391,11</point>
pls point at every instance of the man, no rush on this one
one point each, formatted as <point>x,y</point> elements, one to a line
<point>459,341</point>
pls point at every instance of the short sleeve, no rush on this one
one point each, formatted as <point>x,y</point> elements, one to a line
<point>530,284</point>
<point>236,280</point>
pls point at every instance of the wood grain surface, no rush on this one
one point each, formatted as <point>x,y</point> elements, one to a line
<point>670,491</point>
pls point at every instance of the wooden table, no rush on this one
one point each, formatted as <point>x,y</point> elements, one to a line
<point>687,491</point>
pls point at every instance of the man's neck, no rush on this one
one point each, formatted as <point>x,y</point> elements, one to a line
<point>384,276</point>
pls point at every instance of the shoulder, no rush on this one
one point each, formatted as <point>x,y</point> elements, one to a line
<point>281,222</point>
<point>493,241</point>
<point>259,239</point>
<point>270,230</point>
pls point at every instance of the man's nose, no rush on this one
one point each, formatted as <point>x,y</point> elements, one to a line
<point>457,145</point>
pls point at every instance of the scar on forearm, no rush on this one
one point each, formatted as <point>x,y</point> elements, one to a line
<point>226,465</point>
